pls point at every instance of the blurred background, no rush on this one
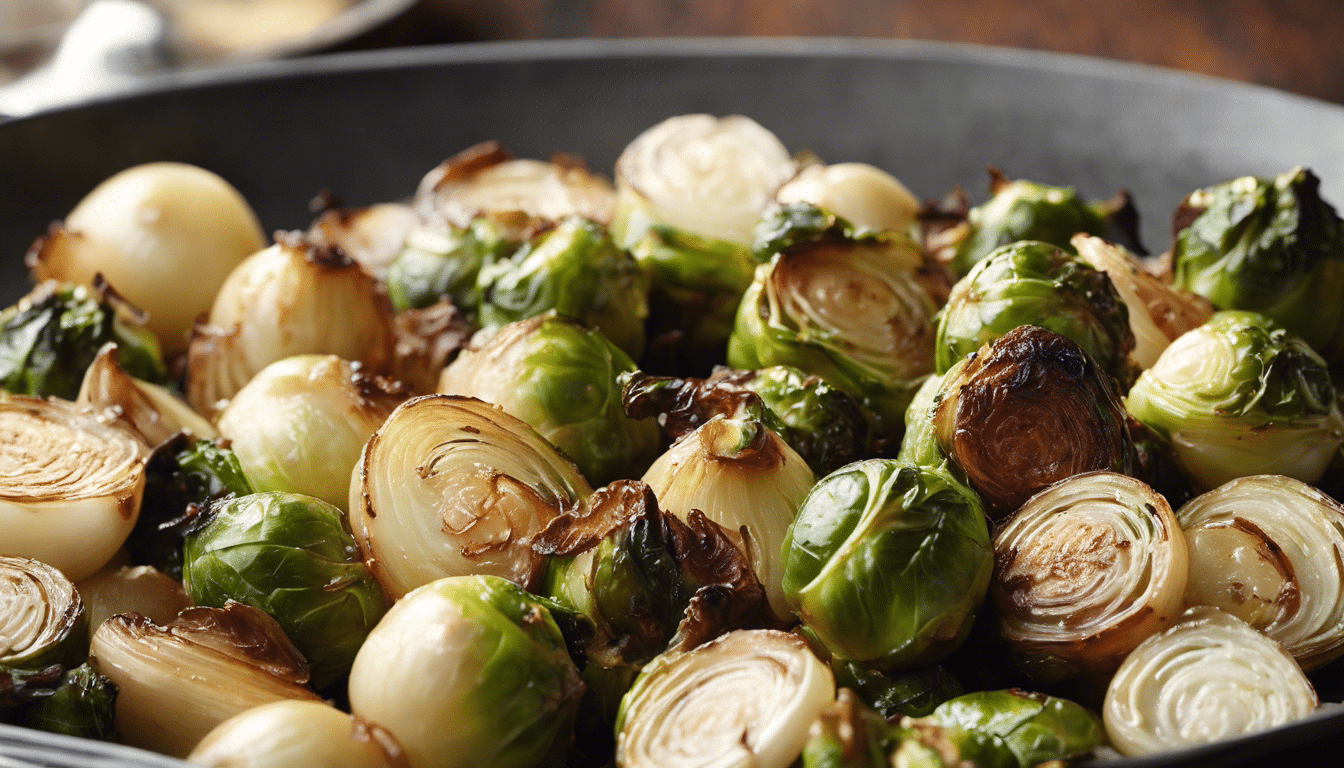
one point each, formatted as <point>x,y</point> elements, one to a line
<point>1287,44</point>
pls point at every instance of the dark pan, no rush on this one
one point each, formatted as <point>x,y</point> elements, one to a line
<point>367,126</point>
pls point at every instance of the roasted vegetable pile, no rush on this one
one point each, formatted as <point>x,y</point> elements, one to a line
<point>743,459</point>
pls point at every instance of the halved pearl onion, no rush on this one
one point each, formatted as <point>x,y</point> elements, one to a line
<point>1270,550</point>
<point>1085,571</point>
<point>745,699</point>
<point>42,618</point>
<point>864,194</point>
<point>1209,677</point>
<point>289,733</point>
<point>70,485</point>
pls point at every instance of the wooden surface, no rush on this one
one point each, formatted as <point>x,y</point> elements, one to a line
<point>1291,44</point>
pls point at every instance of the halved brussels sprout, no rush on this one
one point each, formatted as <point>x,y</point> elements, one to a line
<point>42,618</point>
<point>847,734</point>
<point>166,234</point>
<point>1241,396</point>
<point>745,699</point>
<point>561,378</point>
<point>293,298</point>
<point>83,704</point>
<point>293,557</point>
<point>887,563</point>
<point>912,692</point>
<point>1038,729</point>
<point>1271,246</point>
<point>153,411</point>
<point>647,580</point>
<point>1022,210</point>
<point>453,485</point>
<point>1263,549</point>
<point>1228,678</point>
<point>435,264</point>
<point>70,485</point>
<point>1035,283</point>
<point>840,304</point>
<point>469,671</point>
<point>1158,312</point>
<point>1029,410</point>
<point>485,181</point>
<point>577,270</point>
<point>300,424</point>
<point>183,476</point>
<point>1084,572</point>
<point>177,682</point>
<point>51,337</point>
<point>743,477</point>
<point>288,733</point>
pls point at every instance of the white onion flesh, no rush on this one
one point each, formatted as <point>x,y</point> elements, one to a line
<point>701,174</point>
<point>291,733</point>
<point>176,683</point>
<point>1270,550</point>
<point>299,425</point>
<point>1085,571</point>
<point>452,486</point>
<point>165,234</point>
<point>1207,678</point>
<point>372,236</point>
<point>1158,313</point>
<point>745,700</point>
<point>864,194</point>
<point>758,488</point>
<point>70,484</point>
<point>39,611</point>
<point>293,298</point>
<point>141,589</point>
<point>151,410</point>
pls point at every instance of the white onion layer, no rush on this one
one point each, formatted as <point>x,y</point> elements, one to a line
<point>1270,550</point>
<point>292,733</point>
<point>745,700</point>
<point>1085,571</point>
<point>1207,678</point>
<point>864,194</point>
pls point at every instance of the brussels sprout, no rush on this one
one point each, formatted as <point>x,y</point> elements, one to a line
<point>83,704</point>
<point>1035,727</point>
<point>746,698</point>
<point>846,734</point>
<point>920,445</point>
<point>52,335</point>
<point>301,422</point>
<point>842,305</point>
<point>562,379</point>
<point>695,284</point>
<point>887,563</point>
<point>913,692</point>
<point>1034,283</point>
<point>42,620</point>
<point>294,557</point>
<point>576,270</point>
<point>469,671</point>
<point>1239,396</point>
<point>1024,210</point>
<point>1029,410</point>
<point>1271,246</point>
<point>646,579</point>
<point>437,264</point>
<point>182,477</point>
